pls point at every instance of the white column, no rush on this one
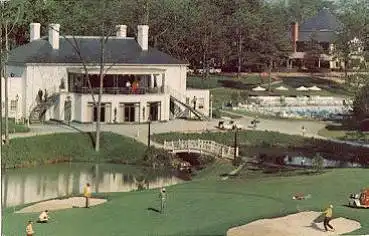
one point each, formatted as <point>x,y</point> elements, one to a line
<point>163,85</point>
<point>152,81</point>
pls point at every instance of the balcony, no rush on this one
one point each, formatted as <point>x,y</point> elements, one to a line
<point>119,90</point>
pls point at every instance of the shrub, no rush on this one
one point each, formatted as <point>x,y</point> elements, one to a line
<point>216,114</point>
<point>13,127</point>
<point>158,158</point>
<point>235,98</point>
<point>317,163</point>
<point>244,95</point>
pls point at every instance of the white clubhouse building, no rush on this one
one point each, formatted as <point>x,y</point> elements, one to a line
<point>140,82</point>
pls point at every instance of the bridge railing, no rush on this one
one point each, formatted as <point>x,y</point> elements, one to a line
<point>207,146</point>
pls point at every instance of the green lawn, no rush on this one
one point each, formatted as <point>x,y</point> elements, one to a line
<point>13,127</point>
<point>53,148</point>
<point>205,206</point>
<point>217,81</point>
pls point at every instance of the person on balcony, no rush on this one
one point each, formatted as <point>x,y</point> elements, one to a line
<point>135,86</point>
<point>128,86</point>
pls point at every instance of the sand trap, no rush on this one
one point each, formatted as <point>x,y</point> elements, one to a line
<point>295,224</point>
<point>54,205</point>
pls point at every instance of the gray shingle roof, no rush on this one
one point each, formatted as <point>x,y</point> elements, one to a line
<point>320,36</point>
<point>324,24</point>
<point>117,50</point>
<point>324,20</point>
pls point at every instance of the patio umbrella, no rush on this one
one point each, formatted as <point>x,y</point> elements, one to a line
<point>281,88</point>
<point>302,88</point>
<point>258,88</point>
<point>315,88</point>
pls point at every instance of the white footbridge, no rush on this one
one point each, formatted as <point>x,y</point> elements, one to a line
<point>201,146</point>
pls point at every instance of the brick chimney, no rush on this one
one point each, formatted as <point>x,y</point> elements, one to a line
<point>143,36</point>
<point>121,31</point>
<point>34,31</point>
<point>54,35</point>
<point>295,35</point>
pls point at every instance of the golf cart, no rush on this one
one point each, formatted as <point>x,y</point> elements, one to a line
<point>360,200</point>
<point>230,125</point>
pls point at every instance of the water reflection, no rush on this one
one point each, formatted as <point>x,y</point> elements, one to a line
<point>304,161</point>
<point>21,186</point>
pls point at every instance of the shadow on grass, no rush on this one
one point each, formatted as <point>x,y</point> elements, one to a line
<point>343,126</point>
<point>153,209</point>
<point>236,84</point>
<point>358,208</point>
<point>70,125</point>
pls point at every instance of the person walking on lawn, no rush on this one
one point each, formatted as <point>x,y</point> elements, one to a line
<point>29,229</point>
<point>163,198</point>
<point>328,217</point>
<point>87,194</point>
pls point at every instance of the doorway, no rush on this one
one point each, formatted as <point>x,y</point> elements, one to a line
<point>154,111</point>
<point>102,115</point>
<point>129,112</point>
<point>68,110</point>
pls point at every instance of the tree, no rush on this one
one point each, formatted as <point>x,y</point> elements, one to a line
<point>244,27</point>
<point>271,46</point>
<point>105,25</point>
<point>354,16</point>
<point>318,163</point>
<point>313,53</point>
<point>7,23</point>
<point>300,10</point>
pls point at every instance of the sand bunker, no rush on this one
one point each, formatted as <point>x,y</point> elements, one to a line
<point>295,224</point>
<point>54,205</point>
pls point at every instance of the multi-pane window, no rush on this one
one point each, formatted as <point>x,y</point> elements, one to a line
<point>13,105</point>
<point>201,103</point>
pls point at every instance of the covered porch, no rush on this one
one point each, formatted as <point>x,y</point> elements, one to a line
<point>118,81</point>
<point>299,60</point>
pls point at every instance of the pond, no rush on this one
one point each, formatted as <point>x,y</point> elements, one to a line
<point>27,185</point>
<point>307,162</point>
<point>300,157</point>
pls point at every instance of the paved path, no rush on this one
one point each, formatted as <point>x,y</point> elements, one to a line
<point>139,131</point>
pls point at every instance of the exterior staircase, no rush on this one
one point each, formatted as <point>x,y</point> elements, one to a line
<point>179,107</point>
<point>37,114</point>
<point>187,107</point>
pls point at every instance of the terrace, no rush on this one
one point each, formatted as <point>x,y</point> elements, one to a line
<point>116,83</point>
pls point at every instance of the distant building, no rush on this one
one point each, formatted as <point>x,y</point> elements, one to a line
<point>324,29</point>
<point>140,82</point>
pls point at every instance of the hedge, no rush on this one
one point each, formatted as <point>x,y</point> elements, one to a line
<point>13,127</point>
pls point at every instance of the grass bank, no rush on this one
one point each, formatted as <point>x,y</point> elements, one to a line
<point>53,148</point>
<point>13,127</point>
<point>347,135</point>
<point>205,206</point>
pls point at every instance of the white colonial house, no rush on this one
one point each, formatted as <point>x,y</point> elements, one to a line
<point>47,80</point>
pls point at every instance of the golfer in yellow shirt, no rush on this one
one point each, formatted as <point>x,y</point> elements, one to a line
<point>328,216</point>
<point>87,194</point>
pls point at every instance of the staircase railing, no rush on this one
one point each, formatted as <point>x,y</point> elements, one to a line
<point>41,107</point>
<point>181,98</point>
